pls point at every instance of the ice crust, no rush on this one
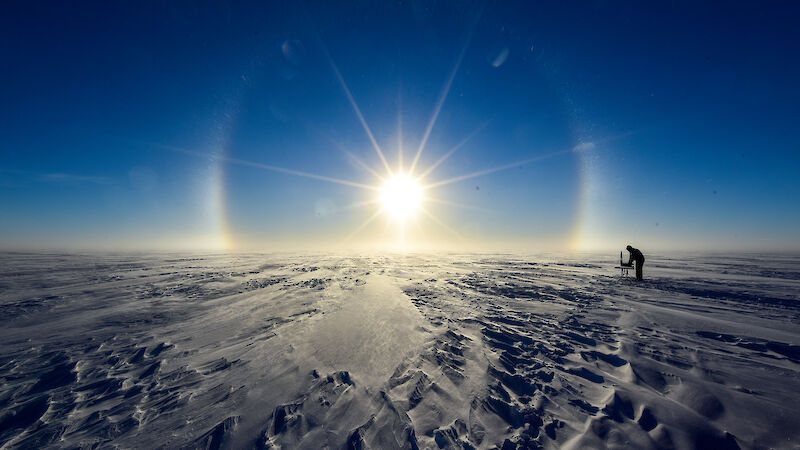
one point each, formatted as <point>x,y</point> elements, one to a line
<point>398,351</point>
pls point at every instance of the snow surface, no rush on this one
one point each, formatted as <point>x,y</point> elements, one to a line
<point>398,351</point>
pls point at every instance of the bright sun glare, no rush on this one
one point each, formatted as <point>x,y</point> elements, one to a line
<point>401,197</point>
<point>402,194</point>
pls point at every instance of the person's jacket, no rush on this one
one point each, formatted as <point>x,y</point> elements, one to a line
<point>636,255</point>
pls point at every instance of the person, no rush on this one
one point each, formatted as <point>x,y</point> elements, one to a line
<point>636,255</point>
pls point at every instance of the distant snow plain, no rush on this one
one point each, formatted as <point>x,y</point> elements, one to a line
<point>398,351</point>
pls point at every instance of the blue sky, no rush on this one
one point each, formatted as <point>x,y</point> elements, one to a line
<point>133,125</point>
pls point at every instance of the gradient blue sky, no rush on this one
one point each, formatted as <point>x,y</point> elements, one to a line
<point>125,125</point>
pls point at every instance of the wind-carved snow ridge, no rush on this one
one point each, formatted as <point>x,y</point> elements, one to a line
<point>398,351</point>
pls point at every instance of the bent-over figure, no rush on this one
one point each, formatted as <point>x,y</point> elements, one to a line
<point>638,257</point>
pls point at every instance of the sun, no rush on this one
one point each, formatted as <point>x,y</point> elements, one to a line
<point>401,193</point>
<point>401,197</point>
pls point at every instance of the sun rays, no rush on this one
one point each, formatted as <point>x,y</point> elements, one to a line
<point>357,110</point>
<point>401,192</point>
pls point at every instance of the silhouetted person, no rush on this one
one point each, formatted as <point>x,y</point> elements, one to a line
<point>638,257</point>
